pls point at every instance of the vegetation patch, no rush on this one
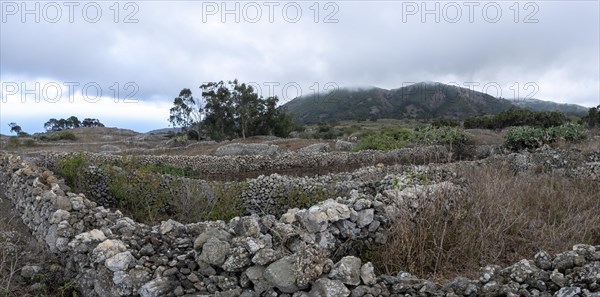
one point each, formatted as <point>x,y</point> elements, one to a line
<point>56,136</point>
<point>527,137</point>
<point>146,193</point>
<point>502,218</point>
<point>517,117</point>
<point>393,138</point>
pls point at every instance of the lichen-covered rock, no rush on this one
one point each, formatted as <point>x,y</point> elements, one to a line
<point>107,249</point>
<point>347,270</point>
<point>237,261</point>
<point>314,219</point>
<point>211,233</point>
<point>325,287</point>
<point>215,251</point>
<point>247,226</point>
<point>282,274</point>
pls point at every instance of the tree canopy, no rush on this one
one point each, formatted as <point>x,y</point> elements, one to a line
<point>15,128</point>
<point>227,110</point>
<point>70,123</point>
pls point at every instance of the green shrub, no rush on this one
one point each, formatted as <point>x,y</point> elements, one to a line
<point>394,138</point>
<point>227,203</point>
<point>517,138</point>
<point>56,136</point>
<point>527,137</point>
<point>517,117</point>
<point>452,136</point>
<point>385,140</point>
<point>380,142</point>
<point>569,132</point>
<point>73,170</point>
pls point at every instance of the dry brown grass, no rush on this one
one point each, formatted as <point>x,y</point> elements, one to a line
<point>501,219</point>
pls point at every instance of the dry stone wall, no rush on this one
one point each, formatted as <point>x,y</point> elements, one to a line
<point>304,252</point>
<point>260,164</point>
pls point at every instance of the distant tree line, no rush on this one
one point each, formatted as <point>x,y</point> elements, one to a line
<point>229,110</point>
<point>53,125</point>
<point>517,117</point>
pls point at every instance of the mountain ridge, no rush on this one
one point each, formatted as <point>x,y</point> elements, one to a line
<point>423,100</point>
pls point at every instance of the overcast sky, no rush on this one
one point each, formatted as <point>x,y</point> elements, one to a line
<point>148,51</point>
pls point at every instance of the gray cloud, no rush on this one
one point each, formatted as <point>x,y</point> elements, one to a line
<point>171,48</point>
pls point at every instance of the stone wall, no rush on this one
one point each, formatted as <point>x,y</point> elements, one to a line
<point>215,166</point>
<point>304,252</point>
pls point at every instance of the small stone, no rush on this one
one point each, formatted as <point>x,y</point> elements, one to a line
<point>168,226</point>
<point>29,271</point>
<point>568,292</point>
<point>170,271</point>
<point>543,260</point>
<point>179,291</point>
<point>564,261</point>
<point>365,217</point>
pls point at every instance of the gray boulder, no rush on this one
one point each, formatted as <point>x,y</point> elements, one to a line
<point>346,146</point>
<point>316,148</point>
